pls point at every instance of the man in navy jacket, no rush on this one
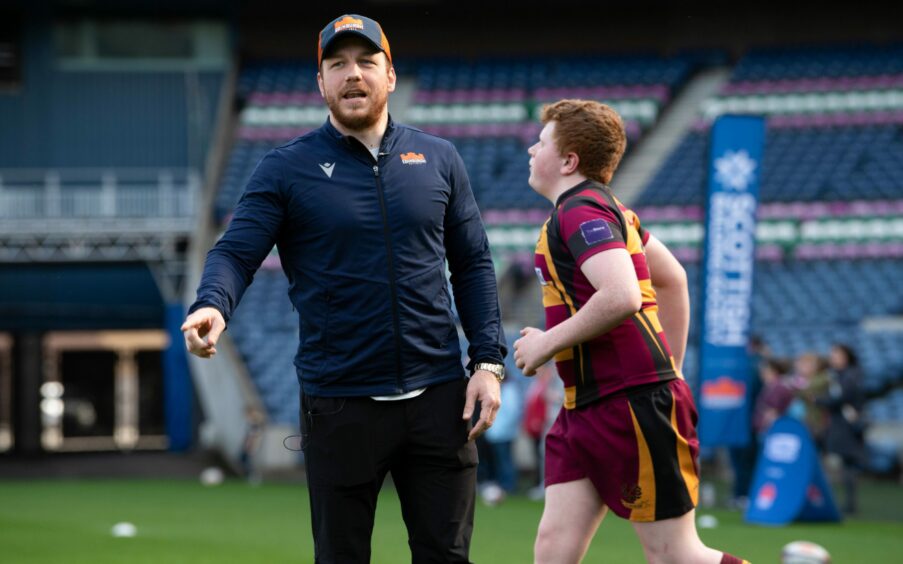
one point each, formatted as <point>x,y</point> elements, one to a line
<point>365,212</point>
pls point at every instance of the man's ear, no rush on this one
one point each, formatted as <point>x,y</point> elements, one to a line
<point>320,85</point>
<point>392,78</point>
<point>570,164</point>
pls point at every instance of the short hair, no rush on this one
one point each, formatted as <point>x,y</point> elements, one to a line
<point>849,353</point>
<point>776,365</point>
<point>592,130</point>
<point>812,357</point>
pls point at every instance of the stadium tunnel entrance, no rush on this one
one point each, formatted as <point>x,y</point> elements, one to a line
<point>103,390</point>
<point>91,359</point>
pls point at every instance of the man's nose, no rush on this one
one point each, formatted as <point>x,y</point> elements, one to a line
<point>354,73</point>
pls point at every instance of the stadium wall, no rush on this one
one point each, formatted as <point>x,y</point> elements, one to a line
<point>63,117</point>
<point>275,28</point>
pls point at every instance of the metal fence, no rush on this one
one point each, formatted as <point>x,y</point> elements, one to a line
<point>98,193</point>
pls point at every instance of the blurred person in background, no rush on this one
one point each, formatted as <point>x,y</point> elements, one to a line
<point>743,458</point>
<point>775,398</point>
<point>843,401</point>
<point>250,448</point>
<point>365,212</point>
<point>502,480</point>
<point>543,400</point>
<point>615,297</point>
<point>810,379</point>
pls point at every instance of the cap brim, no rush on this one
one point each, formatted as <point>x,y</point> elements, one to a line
<point>330,45</point>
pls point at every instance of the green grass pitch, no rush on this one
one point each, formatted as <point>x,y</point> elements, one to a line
<point>183,521</point>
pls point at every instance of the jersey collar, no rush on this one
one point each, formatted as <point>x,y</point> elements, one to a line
<point>581,186</point>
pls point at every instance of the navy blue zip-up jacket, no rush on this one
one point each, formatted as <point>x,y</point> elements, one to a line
<point>364,242</point>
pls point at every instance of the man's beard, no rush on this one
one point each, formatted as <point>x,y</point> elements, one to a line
<point>357,121</point>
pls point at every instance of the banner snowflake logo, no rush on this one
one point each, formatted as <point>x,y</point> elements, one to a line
<point>735,170</point>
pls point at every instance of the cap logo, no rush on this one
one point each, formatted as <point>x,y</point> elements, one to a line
<point>348,23</point>
<point>411,158</point>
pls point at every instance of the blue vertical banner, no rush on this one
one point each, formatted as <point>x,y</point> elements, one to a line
<point>729,259</point>
<point>178,391</point>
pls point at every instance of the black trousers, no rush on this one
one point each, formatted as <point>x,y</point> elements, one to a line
<point>350,444</point>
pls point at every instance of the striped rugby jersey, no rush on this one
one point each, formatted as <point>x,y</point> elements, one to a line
<point>588,219</point>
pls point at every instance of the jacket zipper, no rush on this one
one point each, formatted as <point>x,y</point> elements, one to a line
<point>392,288</point>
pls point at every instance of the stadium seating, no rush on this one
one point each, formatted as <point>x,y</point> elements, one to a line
<point>487,108</point>
<point>244,157</point>
<point>808,305</point>
<point>800,164</point>
<point>833,142</point>
<point>490,109</point>
<point>265,329</point>
<point>834,127</point>
<point>820,164</point>
<point>819,63</point>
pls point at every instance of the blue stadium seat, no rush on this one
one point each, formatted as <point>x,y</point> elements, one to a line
<point>814,164</point>
<point>794,302</point>
<point>795,311</point>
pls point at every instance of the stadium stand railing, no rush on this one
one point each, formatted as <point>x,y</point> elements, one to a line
<point>93,193</point>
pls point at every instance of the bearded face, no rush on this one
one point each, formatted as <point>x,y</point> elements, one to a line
<point>357,106</point>
<point>356,80</point>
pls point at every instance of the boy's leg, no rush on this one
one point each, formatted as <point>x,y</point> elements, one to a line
<point>674,540</point>
<point>572,513</point>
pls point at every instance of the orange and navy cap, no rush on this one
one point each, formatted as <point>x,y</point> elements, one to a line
<point>349,24</point>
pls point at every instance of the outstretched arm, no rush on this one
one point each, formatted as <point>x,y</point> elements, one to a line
<point>232,262</point>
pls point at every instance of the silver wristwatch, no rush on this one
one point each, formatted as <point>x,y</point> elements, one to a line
<point>497,369</point>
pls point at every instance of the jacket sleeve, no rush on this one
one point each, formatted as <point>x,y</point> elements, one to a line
<point>472,272</point>
<point>232,262</point>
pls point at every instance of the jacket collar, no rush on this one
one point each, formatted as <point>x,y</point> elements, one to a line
<point>331,131</point>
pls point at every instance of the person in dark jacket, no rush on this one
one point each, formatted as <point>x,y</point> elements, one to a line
<point>844,401</point>
<point>365,213</point>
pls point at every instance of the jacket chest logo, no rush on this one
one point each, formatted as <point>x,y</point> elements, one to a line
<point>411,158</point>
<point>328,168</point>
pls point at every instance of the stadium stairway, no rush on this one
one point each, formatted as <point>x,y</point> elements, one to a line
<point>225,391</point>
<point>641,164</point>
<point>402,98</point>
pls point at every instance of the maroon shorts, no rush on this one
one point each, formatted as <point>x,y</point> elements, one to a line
<point>637,447</point>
